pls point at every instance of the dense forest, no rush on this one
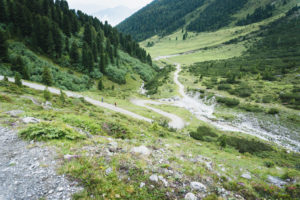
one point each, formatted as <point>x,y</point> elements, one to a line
<point>69,38</point>
<point>272,58</point>
<point>160,17</point>
<point>216,15</point>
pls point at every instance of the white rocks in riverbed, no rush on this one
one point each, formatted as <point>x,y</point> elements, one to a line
<point>153,178</point>
<point>141,150</point>
<point>246,176</point>
<point>198,186</point>
<point>190,196</point>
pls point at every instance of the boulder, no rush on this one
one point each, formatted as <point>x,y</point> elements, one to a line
<point>141,150</point>
<point>190,196</point>
<point>276,181</point>
<point>30,120</point>
<point>198,186</point>
<point>15,113</point>
<point>153,178</point>
<point>246,176</point>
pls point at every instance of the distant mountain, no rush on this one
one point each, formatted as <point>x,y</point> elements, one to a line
<point>114,15</point>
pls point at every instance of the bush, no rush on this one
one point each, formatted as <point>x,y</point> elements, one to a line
<point>273,111</point>
<point>85,123</point>
<point>251,108</point>
<point>224,87</point>
<point>202,132</point>
<point>269,164</point>
<point>117,75</point>
<point>117,130</point>
<point>47,95</point>
<point>243,90</point>
<point>228,101</point>
<point>251,146</point>
<point>267,99</point>
<point>18,80</point>
<point>49,131</point>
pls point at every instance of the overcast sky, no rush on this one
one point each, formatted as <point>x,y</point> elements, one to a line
<point>92,6</point>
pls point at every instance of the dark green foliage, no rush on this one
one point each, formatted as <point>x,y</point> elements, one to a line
<point>159,17</point>
<point>273,111</point>
<point>74,53</point>
<point>202,133</point>
<point>100,85</point>
<point>251,108</point>
<point>228,101</point>
<point>47,28</point>
<point>160,79</point>
<point>47,94</point>
<point>18,80</point>
<point>117,130</point>
<point>259,14</point>
<point>269,164</point>
<point>243,90</point>
<point>3,46</point>
<point>216,15</point>
<point>245,145</point>
<point>224,87</point>
<point>49,131</point>
<point>47,77</point>
<point>222,141</point>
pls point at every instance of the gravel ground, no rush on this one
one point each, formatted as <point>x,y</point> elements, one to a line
<point>28,171</point>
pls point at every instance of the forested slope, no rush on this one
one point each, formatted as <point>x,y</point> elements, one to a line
<point>43,33</point>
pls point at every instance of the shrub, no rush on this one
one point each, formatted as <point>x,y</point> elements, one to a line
<point>85,123</point>
<point>224,87</point>
<point>267,99</point>
<point>273,111</point>
<point>117,130</point>
<point>228,101</point>
<point>18,80</point>
<point>47,95</point>
<point>269,164</point>
<point>49,131</point>
<point>202,132</point>
<point>251,146</point>
<point>100,85</point>
<point>251,108</point>
<point>243,90</point>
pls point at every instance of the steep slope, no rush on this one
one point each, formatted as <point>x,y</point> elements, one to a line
<point>164,17</point>
<point>41,33</point>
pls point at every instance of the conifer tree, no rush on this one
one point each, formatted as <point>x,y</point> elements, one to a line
<point>62,97</point>
<point>87,35</point>
<point>87,57</point>
<point>100,85</point>
<point>47,78</point>
<point>3,11</point>
<point>3,46</point>
<point>18,80</point>
<point>74,53</point>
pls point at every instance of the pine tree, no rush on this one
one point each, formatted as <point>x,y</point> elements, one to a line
<point>50,45</point>
<point>87,57</point>
<point>87,35</point>
<point>100,85</point>
<point>3,46</point>
<point>5,79</point>
<point>74,53</point>
<point>18,65</point>
<point>25,73</point>
<point>47,78</point>
<point>18,80</point>
<point>3,11</point>
<point>102,63</point>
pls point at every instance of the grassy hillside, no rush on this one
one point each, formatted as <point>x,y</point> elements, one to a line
<point>101,143</point>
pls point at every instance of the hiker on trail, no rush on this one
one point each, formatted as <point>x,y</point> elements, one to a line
<point>102,99</point>
<point>115,104</point>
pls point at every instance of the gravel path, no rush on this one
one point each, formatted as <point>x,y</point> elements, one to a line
<point>37,86</point>
<point>176,122</point>
<point>28,171</point>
